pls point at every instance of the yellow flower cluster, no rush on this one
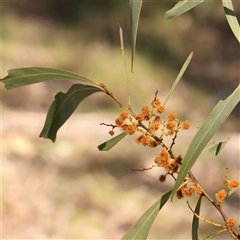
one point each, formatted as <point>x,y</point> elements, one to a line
<point>231,222</point>
<point>147,140</point>
<point>144,115</point>
<point>186,191</point>
<point>222,194</point>
<point>154,123</point>
<point>120,122</point>
<point>163,159</point>
<point>153,129</point>
<point>232,184</point>
<point>156,104</point>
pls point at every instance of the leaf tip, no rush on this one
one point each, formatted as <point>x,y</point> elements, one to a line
<point>100,147</point>
<point>47,137</point>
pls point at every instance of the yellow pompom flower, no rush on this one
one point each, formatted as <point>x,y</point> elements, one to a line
<point>221,195</point>
<point>186,125</point>
<point>231,222</point>
<point>233,184</point>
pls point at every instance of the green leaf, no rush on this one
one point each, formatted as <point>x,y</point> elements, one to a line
<point>180,8</point>
<point>214,234</point>
<point>232,191</point>
<point>182,184</point>
<point>214,121</point>
<point>63,106</point>
<point>215,148</point>
<point>26,76</point>
<point>125,66</point>
<point>135,9</point>
<point>141,229</point>
<point>183,69</point>
<point>195,222</point>
<point>231,18</point>
<point>112,142</point>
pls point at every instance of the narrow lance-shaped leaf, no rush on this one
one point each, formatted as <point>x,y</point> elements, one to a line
<point>231,18</point>
<point>216,118</point>
<point>63,106</point>
<point>183,69</point>
<point>125,66</point>
<point>135,9</point>
<point>180,8</point>
<point>26,76</point>
<point>195,222</point>
<point>141,229</point>
<point>215,148</point>
<point>112,142</point>
<point>232,191</point>
<point>214,234</point>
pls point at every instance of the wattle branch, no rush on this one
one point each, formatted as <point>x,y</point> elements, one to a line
<point>149,138</point>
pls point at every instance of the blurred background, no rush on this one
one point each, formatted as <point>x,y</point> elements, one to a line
<point>70,190</point>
